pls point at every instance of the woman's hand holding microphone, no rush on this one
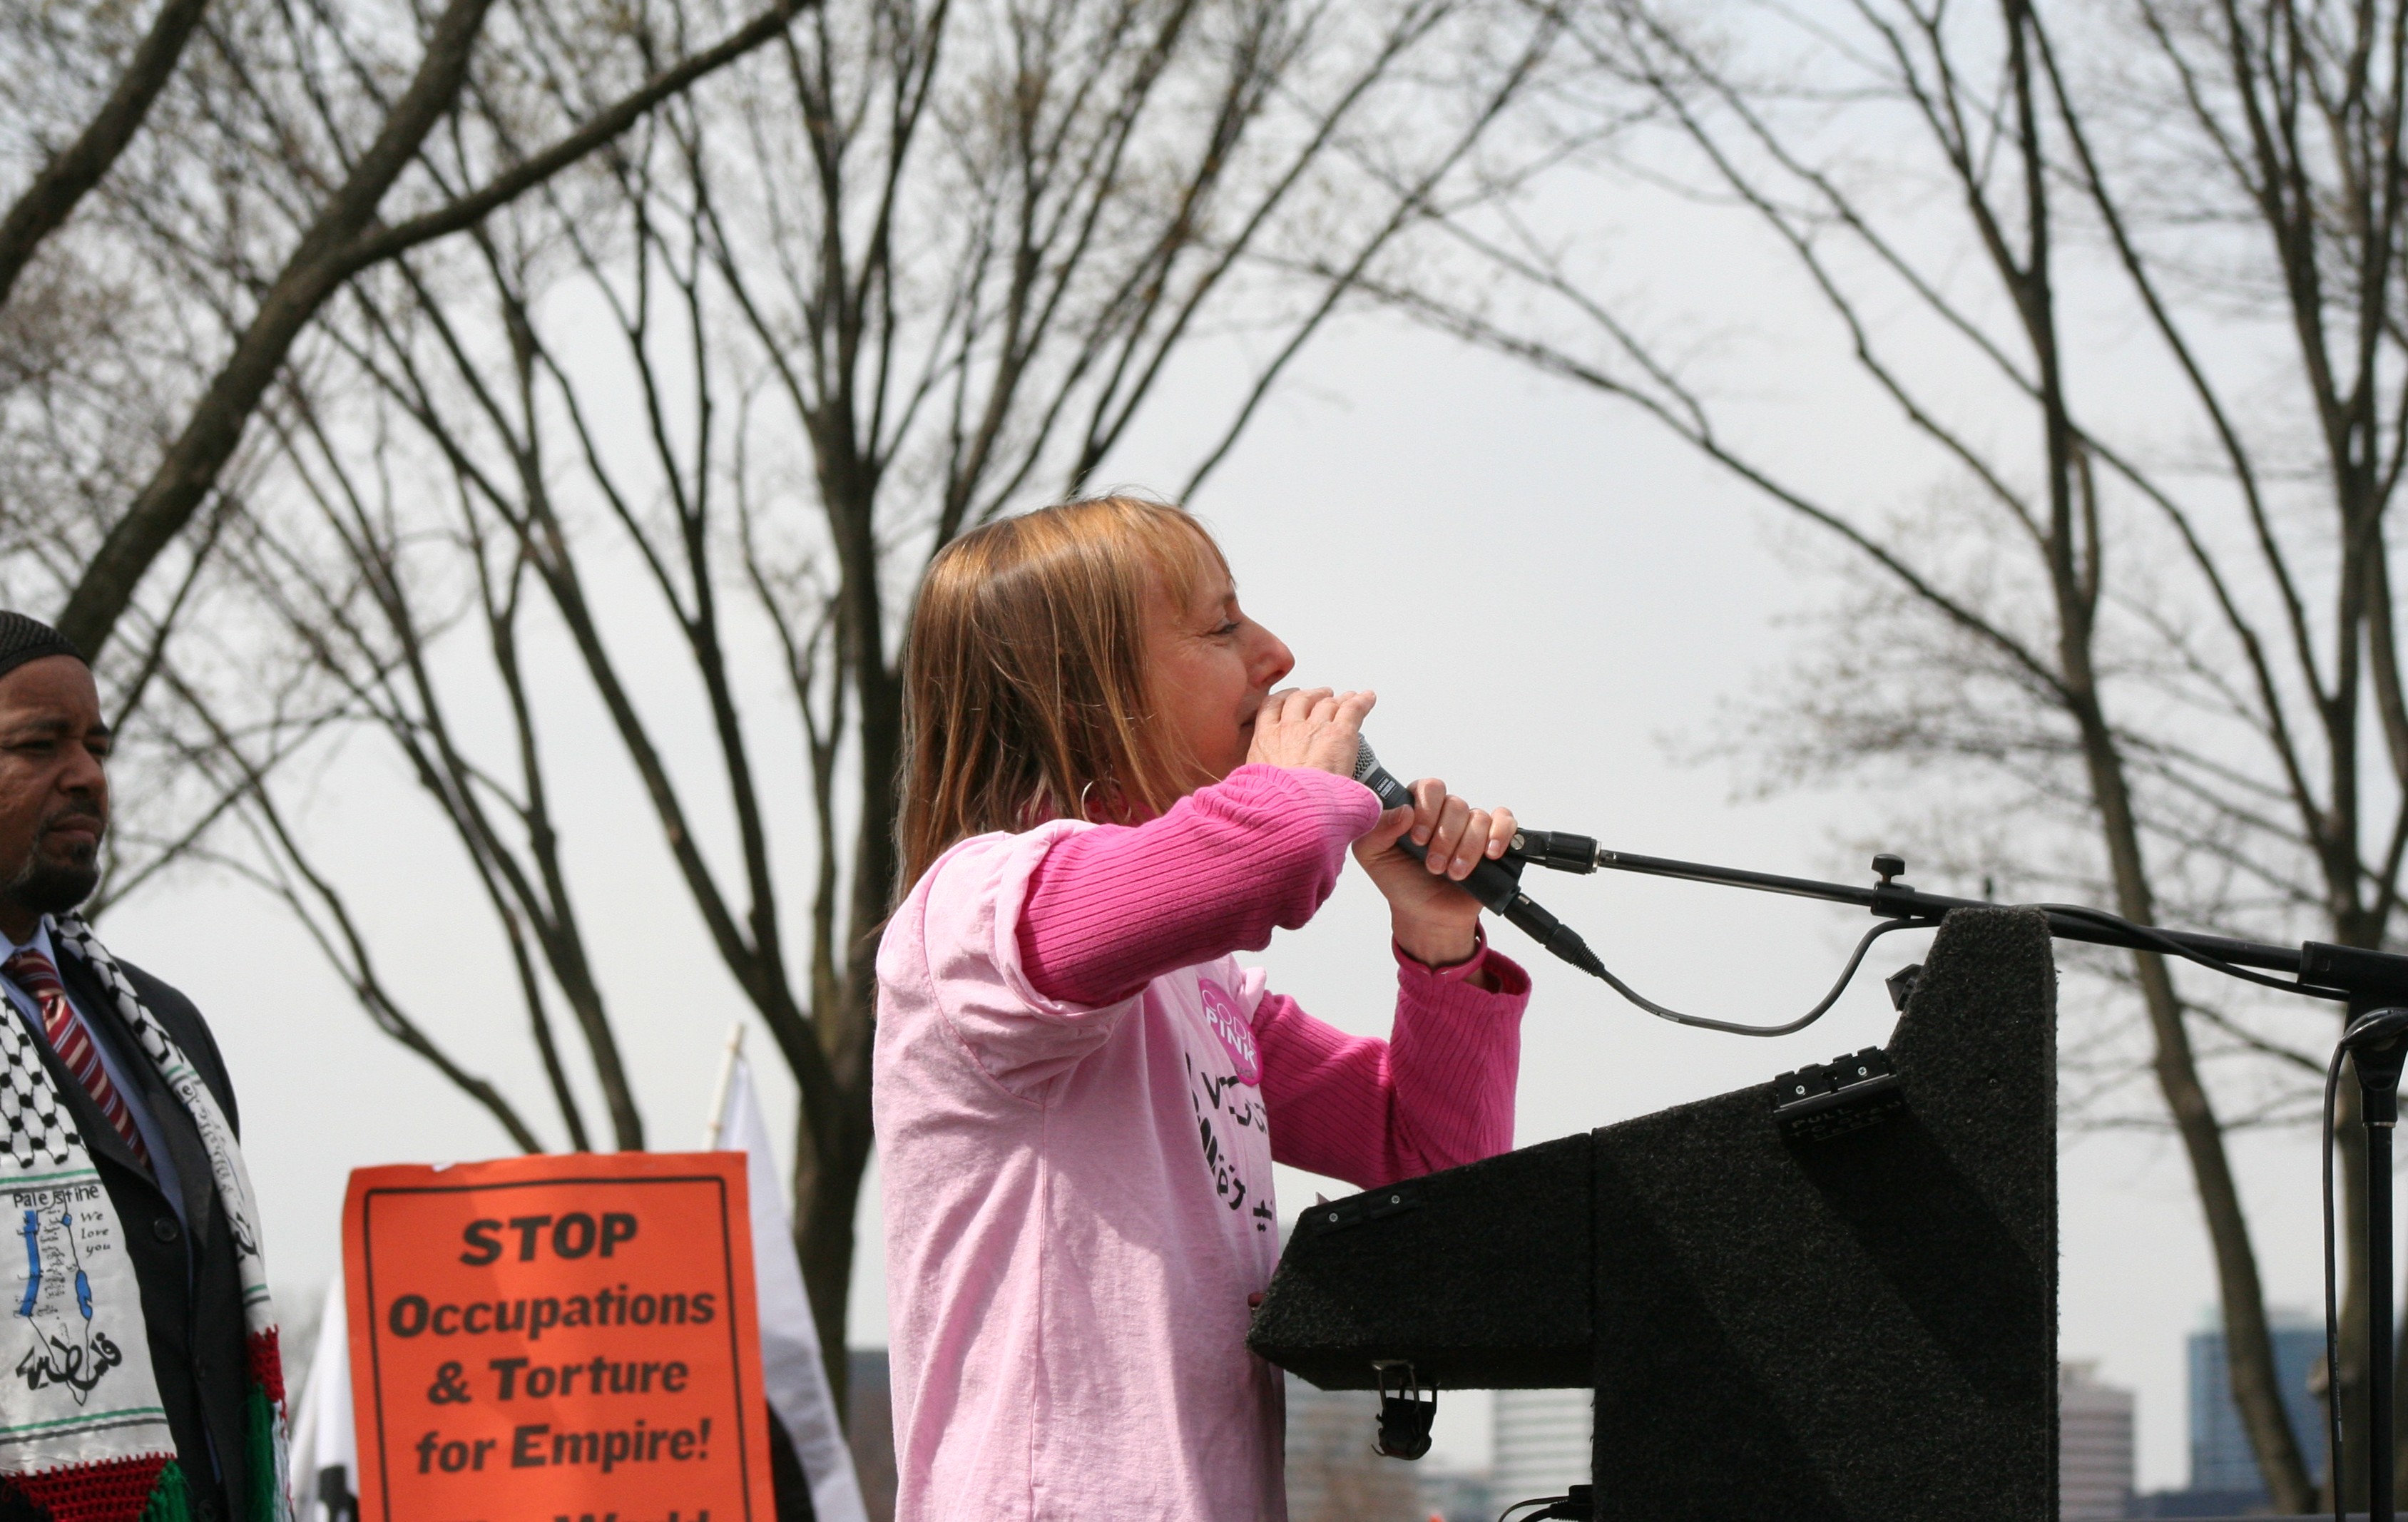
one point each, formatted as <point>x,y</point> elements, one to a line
<point>1436,922</point>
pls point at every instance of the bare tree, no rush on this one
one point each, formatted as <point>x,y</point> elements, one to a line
<point>295,152</point>
<point>335,219</point>
<point>2178,640</point>
<point>736,382</point>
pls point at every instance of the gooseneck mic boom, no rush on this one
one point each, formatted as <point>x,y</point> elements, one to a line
<point>1495,884</point>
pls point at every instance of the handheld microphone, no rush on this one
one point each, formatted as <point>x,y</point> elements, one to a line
<point>1495,884</point>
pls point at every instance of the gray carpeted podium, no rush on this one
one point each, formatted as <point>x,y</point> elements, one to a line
<point>1829,1300</point>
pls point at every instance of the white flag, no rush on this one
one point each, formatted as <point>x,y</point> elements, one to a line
<point>791,1372</point>
<point>325,1458</point>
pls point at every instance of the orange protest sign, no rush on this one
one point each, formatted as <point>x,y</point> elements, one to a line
<point>545,1337</point>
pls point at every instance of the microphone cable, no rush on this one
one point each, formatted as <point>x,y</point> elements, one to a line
<point>1576,1504</point>
<point>2166,945</point>
<point>1847,975</point>
<point>1499,885</point>
<point>2162,943</point>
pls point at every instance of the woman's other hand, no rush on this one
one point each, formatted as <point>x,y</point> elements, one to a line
<point>1310,726</point>
<point>1436,923</point>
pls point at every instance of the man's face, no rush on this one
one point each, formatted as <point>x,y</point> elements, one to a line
<point>53,790</point>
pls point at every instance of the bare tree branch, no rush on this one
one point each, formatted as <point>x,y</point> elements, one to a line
<point>45,204</point>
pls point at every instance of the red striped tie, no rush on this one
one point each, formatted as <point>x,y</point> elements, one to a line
<point>72,1041</point>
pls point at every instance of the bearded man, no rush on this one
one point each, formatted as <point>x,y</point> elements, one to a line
<point>139,1370</point>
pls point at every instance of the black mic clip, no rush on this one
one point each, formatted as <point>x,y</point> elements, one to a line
<point>2377,1043</point>
<point>1407,1408</point>
<point>1557,850</point>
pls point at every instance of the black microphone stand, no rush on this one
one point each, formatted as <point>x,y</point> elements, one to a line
<point>2377,1041</point>
<point>2378,1087</point>
<point>2372,984</point>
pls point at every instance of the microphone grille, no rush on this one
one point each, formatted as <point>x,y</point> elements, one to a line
<point>1366,762</point>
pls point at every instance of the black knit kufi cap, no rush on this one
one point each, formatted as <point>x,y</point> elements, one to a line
<point>23,639</point>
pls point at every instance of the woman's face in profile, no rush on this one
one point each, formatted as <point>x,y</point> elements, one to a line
<point>1209,668</point>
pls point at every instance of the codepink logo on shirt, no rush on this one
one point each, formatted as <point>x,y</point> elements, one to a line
<point>1237,1037</point>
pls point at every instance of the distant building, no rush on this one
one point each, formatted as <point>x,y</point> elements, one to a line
<point>1333,1476</point>
<point>1543,1441</point>
<point>2220,1457</point>
<point>2224,1478</point>
<point>2093,1445</point>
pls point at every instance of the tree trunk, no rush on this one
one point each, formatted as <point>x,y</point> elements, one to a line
<point>315,270</point>
<point>339,244</point>
<point>2249,1346</point>
<point>827,1196</point>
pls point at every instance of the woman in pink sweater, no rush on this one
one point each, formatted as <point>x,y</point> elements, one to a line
<point>1079,1093</point>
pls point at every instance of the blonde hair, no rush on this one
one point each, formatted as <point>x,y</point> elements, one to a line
<point>1025,687</point>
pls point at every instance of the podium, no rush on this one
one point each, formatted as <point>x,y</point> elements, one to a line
<point>1832,1299</point>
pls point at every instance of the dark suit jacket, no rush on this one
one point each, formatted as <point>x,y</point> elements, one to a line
<point>192,1298</point>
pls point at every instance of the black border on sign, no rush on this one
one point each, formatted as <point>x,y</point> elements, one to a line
<point>727,1257</point>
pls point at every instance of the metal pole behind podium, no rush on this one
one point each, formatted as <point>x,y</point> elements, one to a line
<point>2378,1337</point>
<point>2376,1059</point>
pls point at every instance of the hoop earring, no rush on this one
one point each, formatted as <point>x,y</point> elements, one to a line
<point>1083,802</point>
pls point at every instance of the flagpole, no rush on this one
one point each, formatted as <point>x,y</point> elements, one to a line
<point>727,1080</point>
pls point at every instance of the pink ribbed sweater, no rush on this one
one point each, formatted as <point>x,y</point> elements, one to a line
<point>1078,1095</point>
